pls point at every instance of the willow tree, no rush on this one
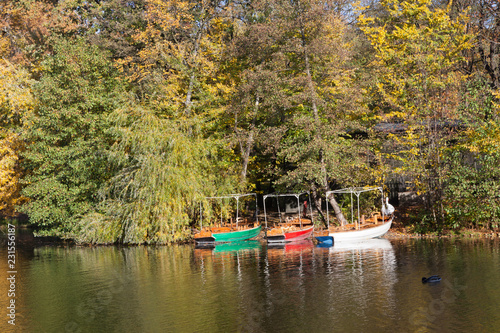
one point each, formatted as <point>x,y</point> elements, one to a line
<point>163,175</point>
<point>418,53</point>
<point>168,157</point>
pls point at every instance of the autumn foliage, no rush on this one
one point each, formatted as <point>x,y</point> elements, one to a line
<point>119,117</point>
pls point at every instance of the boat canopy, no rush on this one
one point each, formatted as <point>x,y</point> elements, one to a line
<point>353,191</point>
<point>230,196</point>
<point>278,195</point>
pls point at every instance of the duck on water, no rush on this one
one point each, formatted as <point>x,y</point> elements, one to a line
<point>431,279</point>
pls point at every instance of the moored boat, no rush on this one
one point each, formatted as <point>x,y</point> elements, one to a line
<point>361,229</point>
<point>284,235</point>
<point>242,229</point>
<point>369,231</point>
<point>297,227</point>
<point>226,234</point>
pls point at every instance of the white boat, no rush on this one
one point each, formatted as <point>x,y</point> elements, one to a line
<point>360,231</point>
<point>362,234</point>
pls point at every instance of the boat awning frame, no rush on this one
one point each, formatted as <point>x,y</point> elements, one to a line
<point>357,192</point>
<point>296,195</point>
<point>230,196</point>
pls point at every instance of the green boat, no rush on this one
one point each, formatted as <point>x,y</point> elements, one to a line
<point>233,236</point>
<point>228,232</point>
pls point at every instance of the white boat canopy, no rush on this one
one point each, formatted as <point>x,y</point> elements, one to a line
<point>230,196</point>
<point>357,192</point>
<point>296,195</point>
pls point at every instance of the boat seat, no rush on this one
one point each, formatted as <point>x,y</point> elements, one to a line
<point>221,229</point>
<point>304,221</point>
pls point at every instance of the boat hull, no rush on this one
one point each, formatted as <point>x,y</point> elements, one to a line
<point>204,240</point>
<point>359,235</point>
<point>291,236</point>
<point>231,236</point>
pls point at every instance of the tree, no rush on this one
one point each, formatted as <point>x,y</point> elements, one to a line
<point>419,52</point>
<point>177,70</point>
<point>163,175</point>
<point>68,136</point>
<point>16,102</point>
<point>484,22</point>
<point>326,102</point>
<point>471,194</point>
<point>254,62</point>
<point>113,26</point>
<point>167,158</point>
<point>29,27</point>
<point>10,172</point>
<point>470,197</point>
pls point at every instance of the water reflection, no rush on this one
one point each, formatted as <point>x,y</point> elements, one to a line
<point>361,276</point>
<point>373,286</point>
<point>241,247</point>
<point>226,255</point>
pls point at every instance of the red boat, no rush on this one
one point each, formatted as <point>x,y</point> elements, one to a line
<point>289,236</point>
<point>292,224</point>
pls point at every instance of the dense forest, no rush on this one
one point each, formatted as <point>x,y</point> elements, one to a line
<point>118,117</point>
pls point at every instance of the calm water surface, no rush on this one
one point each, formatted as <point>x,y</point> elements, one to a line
<point>373,287</point>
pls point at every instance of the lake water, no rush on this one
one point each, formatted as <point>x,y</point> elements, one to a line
<point>373,287</point>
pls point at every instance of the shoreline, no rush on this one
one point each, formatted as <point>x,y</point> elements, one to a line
<point>401,233</point>
<point>397,232</point>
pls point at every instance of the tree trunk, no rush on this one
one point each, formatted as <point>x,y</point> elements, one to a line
<point>338,211</point>
<point>246,149</point>
<point>189,94</point>
<point>246,156</point>
<point>317,203</point>
<point>311,86</point>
